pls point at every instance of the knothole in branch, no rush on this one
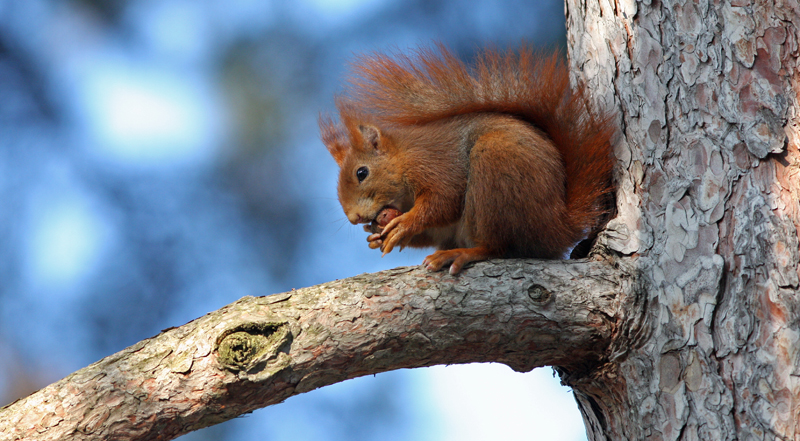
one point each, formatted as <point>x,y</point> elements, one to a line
<point>254,348</point>
<point>539,294</point>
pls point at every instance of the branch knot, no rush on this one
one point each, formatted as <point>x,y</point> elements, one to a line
<point>254,348</point>
<point>539,294</point>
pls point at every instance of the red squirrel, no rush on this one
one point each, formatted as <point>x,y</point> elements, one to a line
<point>499,159</point>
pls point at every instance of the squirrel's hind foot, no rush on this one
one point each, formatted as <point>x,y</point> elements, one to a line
<point>457,258</point>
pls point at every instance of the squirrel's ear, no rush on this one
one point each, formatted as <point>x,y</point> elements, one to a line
<point>334,138</point>
<point>371,135</point>
<point>338,151</point>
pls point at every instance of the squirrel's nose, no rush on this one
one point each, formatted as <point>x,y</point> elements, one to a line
<point>356,219</point>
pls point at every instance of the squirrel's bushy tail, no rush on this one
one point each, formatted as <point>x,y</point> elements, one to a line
<point>432,84</point>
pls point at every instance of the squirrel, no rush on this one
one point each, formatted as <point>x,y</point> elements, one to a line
<point>498,159</point>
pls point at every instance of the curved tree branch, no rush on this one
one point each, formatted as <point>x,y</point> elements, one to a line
<point>261,350</point>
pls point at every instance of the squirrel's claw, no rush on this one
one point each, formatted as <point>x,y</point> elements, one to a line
<point>457,258</point>
<point>396,233</point>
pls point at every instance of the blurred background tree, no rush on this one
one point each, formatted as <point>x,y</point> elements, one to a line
<point>160,159</point>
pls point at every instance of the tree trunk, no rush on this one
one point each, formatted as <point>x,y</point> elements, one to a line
<point>709,178</point>
<point>687,328</point>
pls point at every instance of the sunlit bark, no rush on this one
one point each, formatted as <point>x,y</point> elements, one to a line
<point>709,187</point>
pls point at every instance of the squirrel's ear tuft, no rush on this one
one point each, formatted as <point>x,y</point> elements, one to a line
<point>371,135</point>
<point>334,138</point>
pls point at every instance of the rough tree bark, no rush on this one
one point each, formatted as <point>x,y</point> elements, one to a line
<point>260,351</point>
<point>709,176</point>
<point>686,328</point>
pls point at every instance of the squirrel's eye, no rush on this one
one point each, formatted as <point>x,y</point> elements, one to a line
<point>362,173</point>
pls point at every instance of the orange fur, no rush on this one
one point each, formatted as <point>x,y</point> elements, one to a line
<point>495,160</point>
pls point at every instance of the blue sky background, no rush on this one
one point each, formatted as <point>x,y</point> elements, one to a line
<point>160,159</point>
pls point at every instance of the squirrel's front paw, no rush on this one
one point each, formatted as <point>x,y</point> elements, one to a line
<point>396,232</point>
<point>375,240</point>
<point>373,228</point>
